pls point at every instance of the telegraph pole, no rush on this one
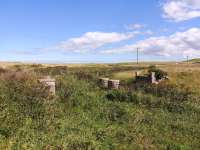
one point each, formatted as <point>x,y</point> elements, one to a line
<point>137,55</point>
<point>187,59</point>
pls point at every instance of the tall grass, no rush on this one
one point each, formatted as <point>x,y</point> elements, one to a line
<point>82,116</point>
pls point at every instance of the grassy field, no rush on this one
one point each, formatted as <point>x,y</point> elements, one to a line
<point>84,116</point>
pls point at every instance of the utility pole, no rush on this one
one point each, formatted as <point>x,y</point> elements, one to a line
<point>137,55</point>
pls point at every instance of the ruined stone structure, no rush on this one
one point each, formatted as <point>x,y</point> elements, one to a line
<point>146,79</point>
<point>49,82</point>
<point>113,84</point>
<point>104,82</point>
<point>109,83</point>
<point>136,74</point>
<point>153,78</point>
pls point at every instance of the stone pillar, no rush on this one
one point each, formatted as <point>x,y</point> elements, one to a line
<point>137,74</point>
<point>49,82</point>
<point>113,84</point>
<point>104,82</point>
<point>153,78</point>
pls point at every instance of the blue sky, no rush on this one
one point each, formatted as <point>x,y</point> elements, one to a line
<point>69,31</point>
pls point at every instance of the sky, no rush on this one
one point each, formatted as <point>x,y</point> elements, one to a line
<point>99,31</point>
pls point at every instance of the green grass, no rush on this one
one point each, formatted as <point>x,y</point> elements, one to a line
<point>197,60</point>
<point>84,116</point>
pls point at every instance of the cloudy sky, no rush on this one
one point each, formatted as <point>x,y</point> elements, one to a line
<point>74,31</point>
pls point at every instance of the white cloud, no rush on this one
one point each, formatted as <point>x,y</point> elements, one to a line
<point>135,26</point>
<point>149,32</point>
<point>178,44</point>
<point>91,41</point>
<point>181,10</point>
<point>164,30</point>
<point>138,28</point>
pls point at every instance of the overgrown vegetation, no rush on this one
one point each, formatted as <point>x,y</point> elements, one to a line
<point>83,116</point>
<point>159,74</point>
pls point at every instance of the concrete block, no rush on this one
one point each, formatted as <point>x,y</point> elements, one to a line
<point>153,78</point>
<point>49,82</point>
<point>113,84</point>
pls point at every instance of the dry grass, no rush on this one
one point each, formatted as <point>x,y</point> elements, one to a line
<point>123,75</point>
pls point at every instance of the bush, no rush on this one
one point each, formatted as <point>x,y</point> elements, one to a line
<point>123,95</point>
<point>175,108</point>
<point>2,70</point>
<point>168,91</point>
<point>57,70</point>
<point>24,84</point>
<point>21,97</point>
<point>118,95</point>
<point>116,113</point>
<point>82,75</point>
<point>137,98</point>
<point>81,145</point>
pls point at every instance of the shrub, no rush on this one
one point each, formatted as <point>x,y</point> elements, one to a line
<point>27,111</point>
<point>5,132</point>
<point>135,97</point>
<point>57,70</point>
<point>83,75</point>
<point>175,108</point>
<point>168,91</point>
<point>22,96</point>
<point>2,70</point>
<point>100,135</point>
<point>117,113</point>
<point>81,145</point>
<point>118,95</point>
